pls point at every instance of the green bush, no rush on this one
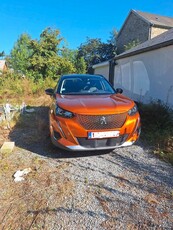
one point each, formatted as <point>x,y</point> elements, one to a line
<point>157,128</point>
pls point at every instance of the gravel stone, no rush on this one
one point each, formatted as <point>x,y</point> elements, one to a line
<point>127,188</point>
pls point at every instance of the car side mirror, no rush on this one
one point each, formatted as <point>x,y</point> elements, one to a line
<point>50,92</point>
<point>119,90</point>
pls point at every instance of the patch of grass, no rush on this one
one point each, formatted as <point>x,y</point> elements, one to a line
<point>157,128</point>
<point>14,86</point>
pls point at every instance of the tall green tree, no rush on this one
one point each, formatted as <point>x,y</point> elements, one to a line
<point>46,59</point>
<point>41,57</point>
<point>20,54</point>
<point>78,62</point>
<point>94,51</point>
<point>113,37</point>
<point>80,65</point>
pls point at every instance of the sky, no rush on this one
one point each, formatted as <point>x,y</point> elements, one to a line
<point>75,19</point>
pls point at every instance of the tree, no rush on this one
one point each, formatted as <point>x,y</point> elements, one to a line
<point>2,54</point>
<point>41,58</point>
<point>113,37</point>
<point>20,54</point>
<point>46,58</point>
<point>90,51</point>
<point>78,62</point>
<point>94,51</point>
<point>80,65</point>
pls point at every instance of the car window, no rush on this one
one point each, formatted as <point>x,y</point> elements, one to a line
<point>85,86</point>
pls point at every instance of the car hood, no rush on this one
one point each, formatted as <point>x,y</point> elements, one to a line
<point>94,104</point>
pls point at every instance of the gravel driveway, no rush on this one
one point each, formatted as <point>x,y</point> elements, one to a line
<point>127,188</point>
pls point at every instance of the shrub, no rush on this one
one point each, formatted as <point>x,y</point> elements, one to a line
<point>13,85</point>
<point>157,127</point>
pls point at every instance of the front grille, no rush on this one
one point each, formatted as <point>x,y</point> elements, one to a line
<point>101,122</point>
<point>106,142</point>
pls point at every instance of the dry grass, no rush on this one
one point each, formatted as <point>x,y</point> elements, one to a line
<point>16,88</point>
<point>30,204</point>
<point>157,123</point>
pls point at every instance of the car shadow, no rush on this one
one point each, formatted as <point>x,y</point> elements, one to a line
<point>31,133</point>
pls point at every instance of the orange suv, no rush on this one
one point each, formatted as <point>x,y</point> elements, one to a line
<point>88,114</point>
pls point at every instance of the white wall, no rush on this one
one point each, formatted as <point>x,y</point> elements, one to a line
<point>147,76</point>
<point>103,70</point>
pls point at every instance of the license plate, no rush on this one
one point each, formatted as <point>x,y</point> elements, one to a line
<point>108,134</point>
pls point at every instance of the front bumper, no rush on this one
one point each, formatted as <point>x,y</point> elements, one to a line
<point>80,148</point>
<point>71,136</point>
<point>95,144</point>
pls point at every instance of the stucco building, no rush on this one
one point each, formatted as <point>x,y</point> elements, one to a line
<point>145,71</point>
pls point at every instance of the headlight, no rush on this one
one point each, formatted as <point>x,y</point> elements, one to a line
<point>63,113</point>
<point>133,111</point>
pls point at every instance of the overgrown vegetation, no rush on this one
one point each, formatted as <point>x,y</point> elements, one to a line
<point>157,128</point>
<point>15,87</point>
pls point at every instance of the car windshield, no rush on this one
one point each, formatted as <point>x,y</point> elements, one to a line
<point>80,85</point>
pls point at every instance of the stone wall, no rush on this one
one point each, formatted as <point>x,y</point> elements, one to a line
<point>134,29</point>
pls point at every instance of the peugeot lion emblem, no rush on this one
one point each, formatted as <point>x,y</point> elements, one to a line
<point>103,121</point>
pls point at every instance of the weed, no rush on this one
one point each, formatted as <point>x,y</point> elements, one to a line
<point>86,180</point>
<point>157,123</point>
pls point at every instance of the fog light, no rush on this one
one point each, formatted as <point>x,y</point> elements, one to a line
<point>57,135</point>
